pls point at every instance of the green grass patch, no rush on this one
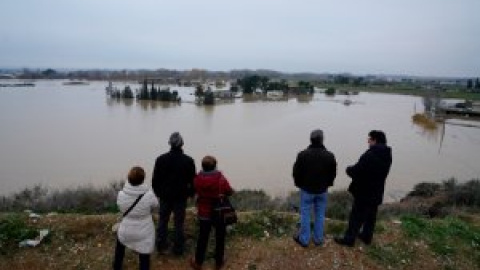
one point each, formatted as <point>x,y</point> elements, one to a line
<point>396,255</point>
<point>334,227</point>
<point>446,237</point>
<point>265,224</point>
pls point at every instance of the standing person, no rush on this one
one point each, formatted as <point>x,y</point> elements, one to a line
<point>314,171</point>
<point>136,231</point>
<point>172,182</point>
<point>367,187</point>
<point>210,185</point>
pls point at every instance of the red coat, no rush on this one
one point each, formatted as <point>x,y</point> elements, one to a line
<point>208,187</point>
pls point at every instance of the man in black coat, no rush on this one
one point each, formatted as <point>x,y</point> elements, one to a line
<point>313,172</point>
<point>367,187</point>
<point>172,182</point>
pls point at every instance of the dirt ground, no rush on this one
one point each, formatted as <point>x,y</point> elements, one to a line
<point>86,242</point>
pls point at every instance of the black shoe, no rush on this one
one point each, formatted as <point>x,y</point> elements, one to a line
<point>177,253</point>
<point>365,240</point>
<point>162,249</point>
<point>297,240</point>
<point>194,265</point>
<point>343,242</point>
<point>219,266</point>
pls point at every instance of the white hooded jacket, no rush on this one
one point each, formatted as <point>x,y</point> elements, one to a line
<point>137,230</point>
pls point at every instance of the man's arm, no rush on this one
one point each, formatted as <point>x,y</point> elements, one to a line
<point>359,168</point>
<point>156,179</point>
<point>191,176</point>
<point>333,173</point>
<point>298,170</point>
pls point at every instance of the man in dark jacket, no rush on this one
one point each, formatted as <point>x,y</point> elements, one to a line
<point>172,182</point>
<point>314,171</point>
<point>367,187</point>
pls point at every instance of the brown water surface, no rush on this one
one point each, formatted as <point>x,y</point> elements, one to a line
<point>69,135</point>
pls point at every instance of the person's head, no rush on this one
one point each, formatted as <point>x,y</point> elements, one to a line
<point>209,163</point>
<point>175,140</point>
<point>377,136</point>
<point>136,175</point>
<point>316,137</point>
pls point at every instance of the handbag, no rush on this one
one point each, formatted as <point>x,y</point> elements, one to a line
<point>223,212</point>
<point>119,220</point>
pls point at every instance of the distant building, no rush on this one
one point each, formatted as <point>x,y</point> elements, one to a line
<point>7,76</point>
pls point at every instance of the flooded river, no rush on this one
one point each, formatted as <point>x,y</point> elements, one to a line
<point>69,135</point>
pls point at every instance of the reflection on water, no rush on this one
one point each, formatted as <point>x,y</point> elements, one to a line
<point>120,101</point>
<point>63,136</point>
<point>264,98</point>
<point>304,98</point>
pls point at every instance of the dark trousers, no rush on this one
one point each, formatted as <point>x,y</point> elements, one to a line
<point>202,242</point>
<point>363,216</point>
<point>166,209</point>
<point>144,259</point>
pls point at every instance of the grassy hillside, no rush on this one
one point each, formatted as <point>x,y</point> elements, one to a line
<point>261,240</point>
<point>437,226</point>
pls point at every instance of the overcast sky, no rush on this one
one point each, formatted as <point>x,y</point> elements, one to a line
<point>405,37</point>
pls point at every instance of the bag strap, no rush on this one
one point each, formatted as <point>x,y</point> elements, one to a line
<point>133,205</point>
<point>220,194</point>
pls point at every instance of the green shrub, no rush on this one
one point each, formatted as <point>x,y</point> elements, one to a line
<point>335,227</point>
<point>339,204</point>
<point>467,194</point>
<point>425,189</point>
<point>245,200</point>
<point>83,199</point>
<point>13,230</point>
<point>330,91</point>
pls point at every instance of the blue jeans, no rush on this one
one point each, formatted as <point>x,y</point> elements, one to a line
<point>319,204</point>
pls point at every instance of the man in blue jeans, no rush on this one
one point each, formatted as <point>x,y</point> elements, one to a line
<point>314,171</point>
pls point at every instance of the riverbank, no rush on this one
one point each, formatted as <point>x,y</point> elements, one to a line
<point>412,90</point>
<point>437,226</point>
<point>262,240</point>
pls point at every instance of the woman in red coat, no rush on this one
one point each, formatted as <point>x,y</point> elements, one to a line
<point>210,185</point>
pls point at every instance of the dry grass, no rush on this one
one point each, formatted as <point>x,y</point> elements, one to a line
<point>86,242</point>
<point>424,121</point>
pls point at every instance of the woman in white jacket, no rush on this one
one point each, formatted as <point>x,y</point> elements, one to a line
<point>136,230</point>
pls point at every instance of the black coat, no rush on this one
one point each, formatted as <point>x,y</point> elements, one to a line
<point>369,174</point>
<point>315,169</point>
<point>173,175</point>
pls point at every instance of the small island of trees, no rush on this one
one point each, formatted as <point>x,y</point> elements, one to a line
<point>145,93</point>
<point>249,85</point>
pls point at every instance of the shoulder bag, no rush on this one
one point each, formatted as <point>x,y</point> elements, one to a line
<point>117,224</point>
<point>223,212</point>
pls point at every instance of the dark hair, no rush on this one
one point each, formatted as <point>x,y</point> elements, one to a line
<point>378,136</point>
<point>136,175</point>
<point>209,163</point>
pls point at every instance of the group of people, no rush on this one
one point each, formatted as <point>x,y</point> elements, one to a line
<point>175,179</point>
<point>315,170</point>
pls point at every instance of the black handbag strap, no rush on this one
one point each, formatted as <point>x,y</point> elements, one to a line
<point>133,205</point>
<point>221,196</point>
